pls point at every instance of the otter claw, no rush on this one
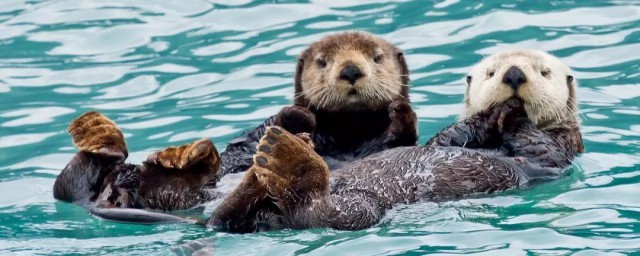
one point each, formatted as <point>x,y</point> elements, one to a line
<point>276,130</point>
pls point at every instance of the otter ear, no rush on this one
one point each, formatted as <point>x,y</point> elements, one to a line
<point>404,69</point>
<point>469,80</point>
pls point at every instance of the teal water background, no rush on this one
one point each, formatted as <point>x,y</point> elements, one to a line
<point>169,72</point>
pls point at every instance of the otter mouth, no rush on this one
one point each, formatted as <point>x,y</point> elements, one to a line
<point>352,92</point>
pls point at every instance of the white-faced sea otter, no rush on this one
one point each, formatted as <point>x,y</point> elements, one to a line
<point>520,126</point>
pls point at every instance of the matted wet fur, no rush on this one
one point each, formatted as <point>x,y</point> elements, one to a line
<point>351,96</point>
<point>495,147</point>
<point>353,105</point>
<point>97,176</point>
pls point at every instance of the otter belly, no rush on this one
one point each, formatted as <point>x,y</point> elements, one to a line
<point>410,174</point>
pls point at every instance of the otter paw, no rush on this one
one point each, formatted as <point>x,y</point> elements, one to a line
<point>296,119</point>
<point>94,132</point>
<point>286,164</point>
<point>185,156</point>
<point>511,115</point>
<point>403,120</point>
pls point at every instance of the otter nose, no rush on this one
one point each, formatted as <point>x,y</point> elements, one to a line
<point>351,73</point>
<point>514,77</point>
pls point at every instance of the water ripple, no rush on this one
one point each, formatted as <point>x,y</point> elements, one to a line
<point>174,71</point>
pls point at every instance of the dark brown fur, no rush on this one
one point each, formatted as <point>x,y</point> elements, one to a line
<point>171,179</point>
<point>342,131</point>
<point>365,43</point>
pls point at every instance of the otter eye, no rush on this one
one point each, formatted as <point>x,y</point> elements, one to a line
<point>544,73</point>
<point>378,58</point>
<point>569,78</point>
<point>469,80</point>
<point>321,63</point>
<point>490,74</point>
<point>118,204</point>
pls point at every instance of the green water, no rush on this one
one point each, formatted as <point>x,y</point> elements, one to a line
<point>172,71</point>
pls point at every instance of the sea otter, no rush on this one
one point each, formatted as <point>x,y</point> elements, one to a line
<point>351,96</point>
<point>519,127</point>
<point>98,177</point>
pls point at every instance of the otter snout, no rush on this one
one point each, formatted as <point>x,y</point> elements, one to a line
<point>514,77</point>
<point>351,73</point>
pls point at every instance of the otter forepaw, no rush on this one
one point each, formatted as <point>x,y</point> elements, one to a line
<point>403,121</point>
<point>185,156</point>
<point>94,132</point>
<point>296,119</point>
<point>286,164</point>
<point>511,115</point>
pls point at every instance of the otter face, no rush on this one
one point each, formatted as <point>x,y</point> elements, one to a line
<point>120,188</point>
<point>351,71</point>
<point>113,196</point>
<point>545,85</point>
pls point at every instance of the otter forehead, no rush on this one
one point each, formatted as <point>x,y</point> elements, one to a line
<point>522,58</point>
<point>355,41</point>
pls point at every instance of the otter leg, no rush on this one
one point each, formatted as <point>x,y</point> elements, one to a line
<point>286,172</point>
<point>289,178</point>
<point>101,149</point>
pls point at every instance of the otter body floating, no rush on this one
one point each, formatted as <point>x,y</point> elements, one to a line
<point>351,96</point>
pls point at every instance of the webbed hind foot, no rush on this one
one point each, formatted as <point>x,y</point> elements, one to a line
<point>185,156</point>
<point>93,132</point>
<point>286,170</point>
<point>288,167</point>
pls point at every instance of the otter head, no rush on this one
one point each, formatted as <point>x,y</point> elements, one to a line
<point>351,71</point>
<point>113,196</point>
<point>119,189</point>
<point>545,85</point>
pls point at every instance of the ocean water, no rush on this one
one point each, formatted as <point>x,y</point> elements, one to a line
<point>170,72</point>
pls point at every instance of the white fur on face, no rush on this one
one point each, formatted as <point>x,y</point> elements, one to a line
<point>546,96</point>
<point>380,85</point>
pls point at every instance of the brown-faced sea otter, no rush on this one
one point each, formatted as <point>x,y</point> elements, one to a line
<point>351,96</point>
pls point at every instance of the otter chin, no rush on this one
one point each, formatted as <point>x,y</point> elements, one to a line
<point>351,71</point>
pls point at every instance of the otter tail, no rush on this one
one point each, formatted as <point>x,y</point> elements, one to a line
<point>139,216</point>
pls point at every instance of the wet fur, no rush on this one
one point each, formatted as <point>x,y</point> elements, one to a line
<point>97,176</point>
<point>550,99</point>
<point>343,127</point>
<point>499,144</point>
<point>174,178</point>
